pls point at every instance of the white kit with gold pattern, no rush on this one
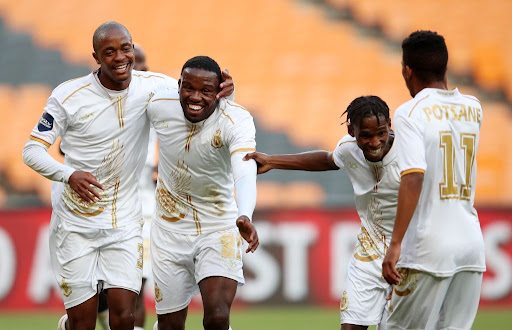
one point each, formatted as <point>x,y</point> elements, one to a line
<point>376,193</point>
<point>103,132</point>
<point>195,182</point>
<point>438,133</point>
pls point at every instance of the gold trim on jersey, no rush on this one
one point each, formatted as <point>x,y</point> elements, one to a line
<point>40,141</point>
<point>120,111</point>
<point>236,105</point>
<point>410,113</point>
<point>108,173</point>
<point>366,249</point>
<point>140,260</point>
<point>225,114</point>
<point>197,221</point>
<point>191,134</point>
<point>93,214</point>
<point>165,99</point>
<point>345,142</point>
<point>75,92</point>
<point>376,172</point>
<point>412,170</point>
<point>114,204</point>
<point>241,149</point>
<point>170,203</point>
<point>151,75</point>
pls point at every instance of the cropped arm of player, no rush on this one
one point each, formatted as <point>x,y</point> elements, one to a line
<point>227,87</point>
<point>408,196</point>
<point>307,161</point>
<point>35,154</point>
<point>244,174</point>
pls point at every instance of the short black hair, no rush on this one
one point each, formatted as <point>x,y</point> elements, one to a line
<point>426,54</point>
<point>102,30</point>
<point>205,63</point>
<point>366,106</point>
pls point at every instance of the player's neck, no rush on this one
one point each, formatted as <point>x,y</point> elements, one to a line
<point>113,85</point>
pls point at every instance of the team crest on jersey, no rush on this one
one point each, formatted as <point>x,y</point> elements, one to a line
<point>45,123</point>
<point>217,141</point>
<point>344,302</point>
<point>158,294</point>
<point>66,289</point>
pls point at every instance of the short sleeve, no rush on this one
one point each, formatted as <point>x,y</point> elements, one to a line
<point>52,124</point>
<point>242,136</point>
<point>337,155</point>
<point>409,140</point>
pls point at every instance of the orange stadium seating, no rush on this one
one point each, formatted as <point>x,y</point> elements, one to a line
<point>294,69</point>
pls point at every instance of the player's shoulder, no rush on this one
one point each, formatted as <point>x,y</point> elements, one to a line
<point>234,111</point>
<point>408,109</point>
<point>155,78</point>
<point>347,144</point>
<point>165,96</point>
<point>471,99</point>
<point>63,91</point>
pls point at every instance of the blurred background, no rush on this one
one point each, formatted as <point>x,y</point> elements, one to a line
<point>297,64</point>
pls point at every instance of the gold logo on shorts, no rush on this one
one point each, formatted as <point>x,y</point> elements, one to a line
<point>344,302</point>
<point>140,261</point>
<point>216,141</point>
<point>66,289</point>
<point>158,293</point>
<point>408,283</point>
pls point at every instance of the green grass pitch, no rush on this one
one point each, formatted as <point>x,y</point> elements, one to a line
<point>253,318</point>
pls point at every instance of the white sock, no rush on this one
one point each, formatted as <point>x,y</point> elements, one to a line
<point>230,328</point>
<point>138,328</point>
<point>62,322</point>
<point>155,327</point>
<point>103,319</point>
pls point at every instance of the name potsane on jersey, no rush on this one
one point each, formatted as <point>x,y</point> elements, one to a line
<point>459,112</point>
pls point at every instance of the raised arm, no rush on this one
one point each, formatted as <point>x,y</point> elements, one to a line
<point>320,160</point>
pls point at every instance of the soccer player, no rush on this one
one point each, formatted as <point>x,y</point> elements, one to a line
<point>436,255</point>
<point>96,226</point>
<point>147,196</point>
<point>368,156</point>
<point>195,243</point>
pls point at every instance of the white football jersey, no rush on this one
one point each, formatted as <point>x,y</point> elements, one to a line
<point>437,134</point>
<point>106,133</point>
<point>146,183</point>
<point>195,182</point>
<point>376,194</point>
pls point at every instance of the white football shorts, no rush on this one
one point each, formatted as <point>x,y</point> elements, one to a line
<point>82,257</point>
<point>423,301</point>
<point>364,299</point>
<point>181,261</point>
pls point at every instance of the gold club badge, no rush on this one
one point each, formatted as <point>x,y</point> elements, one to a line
<point>216,141</point>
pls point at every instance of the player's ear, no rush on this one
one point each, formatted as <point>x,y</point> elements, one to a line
<point>179,83</point>
<point>407,72</point>
<point>350,129</point>
<point>96,57</point>
<point>389,123</point>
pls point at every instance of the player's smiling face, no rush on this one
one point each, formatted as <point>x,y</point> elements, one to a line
<point>372,137</point>
<point>115,57</point>
<point>198,88</point>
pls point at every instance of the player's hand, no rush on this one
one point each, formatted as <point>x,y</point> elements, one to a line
<point>262,161</point>
<point>226,86</point>
<point>248,232</point>
<point>389,271</point>
<point>81,182</point>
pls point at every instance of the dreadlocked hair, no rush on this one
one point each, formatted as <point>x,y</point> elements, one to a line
<point>366,106</point>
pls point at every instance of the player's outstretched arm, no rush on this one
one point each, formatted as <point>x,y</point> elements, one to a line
<point>227,86</point>
<point>408,196</point>
<point>307,161</point>
<point>248,232</point>
<point>81,182</point>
